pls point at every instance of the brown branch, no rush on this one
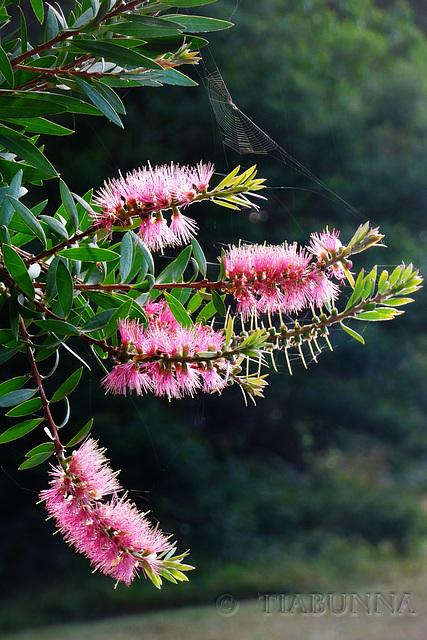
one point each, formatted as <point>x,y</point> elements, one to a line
<point>59,449</point>
<point>58,247</point>
<point>121,8</point>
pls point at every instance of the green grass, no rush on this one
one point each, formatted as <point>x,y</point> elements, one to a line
<point>251,622</point>
<point>342,568</point>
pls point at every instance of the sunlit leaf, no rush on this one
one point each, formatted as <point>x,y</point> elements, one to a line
<point>89,254</point>
<point>178,311</point>
<point>29,219</point>
<point>25,408</point>
<point>19,430</point>
<point>68,386</point>
<point>34,461</point>
<point>81,435</point>
<point>18,271</point>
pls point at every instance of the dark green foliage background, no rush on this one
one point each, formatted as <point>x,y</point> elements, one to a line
<point>340,449</point>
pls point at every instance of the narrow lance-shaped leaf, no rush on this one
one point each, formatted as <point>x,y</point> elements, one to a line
<point>34,461</point>
<point>178,311</point>
<point>19,430</point>
<point>89,254</point>
<point>99,101</point>
<point>84,431</point>
<point>68,203</point>
<point>127,252</point>
<point>38,8</point>
<point>6,67</point>
<point>12,385</point>
<point>68,386</point>
<point>64,288</point>
<point>18,271</point>
<point>16,397</point>
<point>6,210</point>
<point>25,408</point>
<point>29,219</point>
<point>199,256</point>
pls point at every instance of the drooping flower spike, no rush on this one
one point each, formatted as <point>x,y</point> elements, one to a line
<point>117,539</point>
<point>146,193</point>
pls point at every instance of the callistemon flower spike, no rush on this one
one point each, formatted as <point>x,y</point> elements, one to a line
<point>147,192</point>
<point>275,279</point>
<point>116,538</point>
<point>165,357</point>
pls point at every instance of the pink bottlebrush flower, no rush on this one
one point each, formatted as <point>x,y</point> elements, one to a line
<point>327,245</point>
<point>270,279</point>
<point>164,357</point>
<point>146,193</point>
<point>124,377</point>
<point>183,227</point>
<point>327,242</point>
<point>116,538</point>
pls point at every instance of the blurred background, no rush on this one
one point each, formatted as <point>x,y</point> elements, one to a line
<point>325,480</point>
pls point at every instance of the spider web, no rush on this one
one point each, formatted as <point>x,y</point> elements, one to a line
<point>244,136</point>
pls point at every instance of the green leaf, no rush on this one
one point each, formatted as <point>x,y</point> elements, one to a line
<point>372,315</point>
<point>206,312</point>
<point>29,219</point>
<point>38,9</point>
<point>178,311</point>
<point>144,250</point>
<point>68,204</point>
<point>25,408</point>
<point>89,254</point>
<point>175,77</point>
<point>397,302</point>
<point>218,302</point>
<point>41,125</point>
<point>6,67</point>
<point>134,29</point>
<point>194,303</point>
<point>199,24</point>
<point>18,271</point>
<point>199,256</point>
<point>34,461</point>
<point>68,386</point>
<point>99,101</point>
<point>352,333</point>
<point>127,252</point>
<point>357,291</point>
<point>7,354</point>
<point>27,105</point>
<point>121,56</point>
<point>26,150</point>
<point>6,210</point>
<point>44,447</point>
<point>81,435</point>
<point>16,397</point>
<point>12,385</point>
<point>119,314</point>
<point>56,226</point>
<point>97,322</point>
<point>19,430</point>
<point>175,270</point>
<point>64,288</point>
<point>57,326</point>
